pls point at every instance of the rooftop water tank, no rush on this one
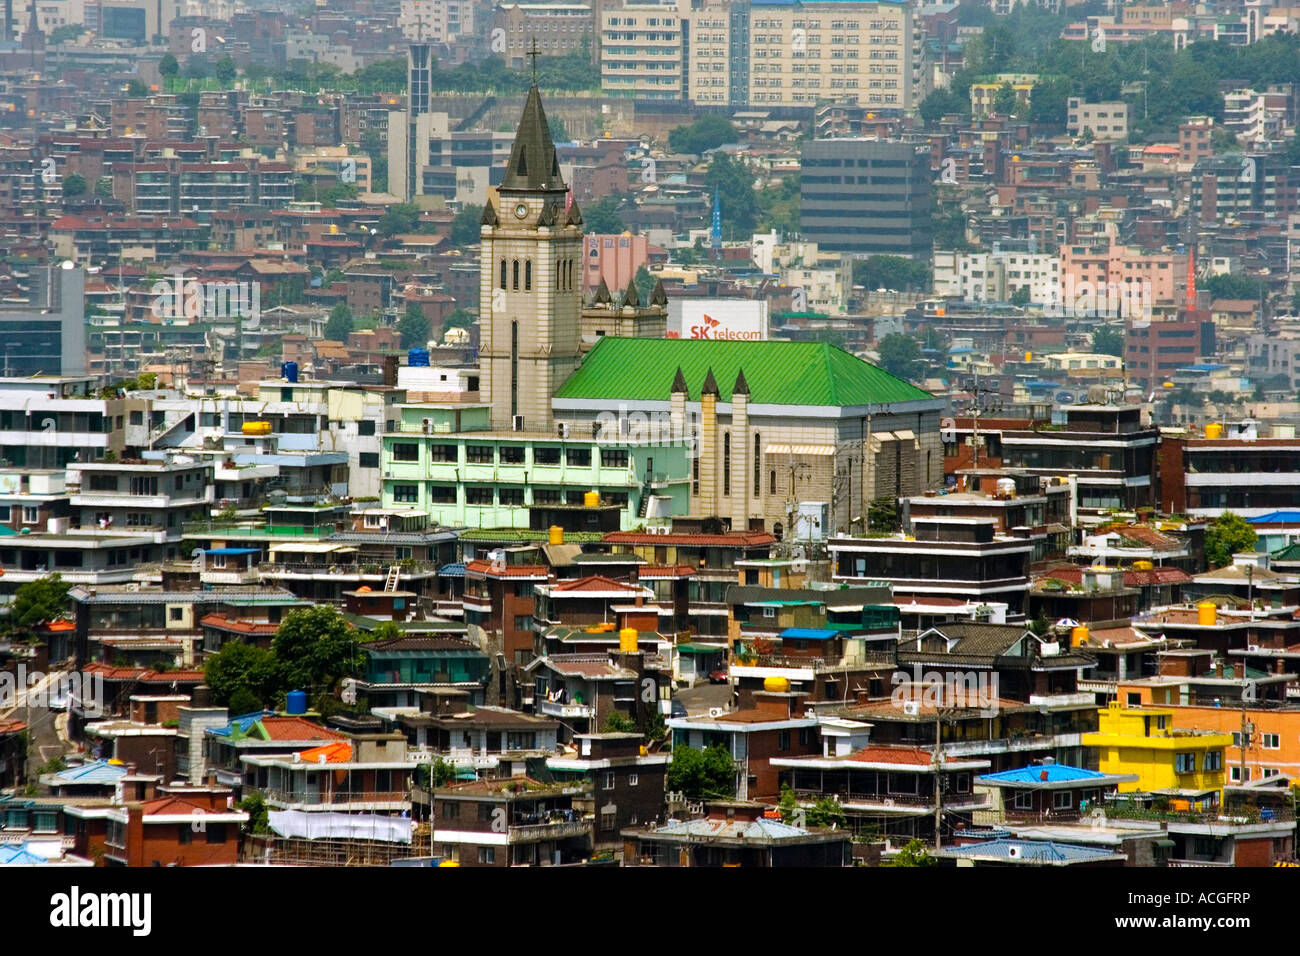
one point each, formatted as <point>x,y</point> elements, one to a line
<point>289,371</point>
<point>1206,615</point>
<point>555,535</point>
<point>627,640</point>
<point>418,358</point>
<point>295,702</point>
<point>1213,430</point>
<point>777,685</point>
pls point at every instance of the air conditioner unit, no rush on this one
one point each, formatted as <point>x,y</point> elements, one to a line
<point>911,708</point>
<point>427,425</point>
<point>562,429</point>
<point>517,423</point>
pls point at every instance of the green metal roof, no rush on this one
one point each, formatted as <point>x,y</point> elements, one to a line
<point>778,373</point>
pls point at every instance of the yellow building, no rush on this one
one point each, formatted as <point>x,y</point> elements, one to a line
<point>1185,765</point>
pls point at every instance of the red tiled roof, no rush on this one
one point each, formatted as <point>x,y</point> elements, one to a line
<point>173,806</point>
<point>595,582</point>
<point>911,756</point>
<point>742,539</point>
<point>1132,578</point>
<point>480,566</point>
<point>242,627</point>
<point>12,726</point>
<point>297,728</point>
<point>665,571</point>
<point>173,677</point>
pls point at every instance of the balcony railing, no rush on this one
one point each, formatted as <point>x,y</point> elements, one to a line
<point>557,830</point>
<point>336,797</point>
<point>553,709</point>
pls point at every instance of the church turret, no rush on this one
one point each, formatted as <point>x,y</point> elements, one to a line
<point>530,280</point>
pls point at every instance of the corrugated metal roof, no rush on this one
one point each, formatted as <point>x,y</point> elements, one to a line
<point>778,372</point>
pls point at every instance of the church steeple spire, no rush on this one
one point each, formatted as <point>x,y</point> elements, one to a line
<point>533,165</point>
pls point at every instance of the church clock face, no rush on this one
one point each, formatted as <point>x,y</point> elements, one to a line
<point>521,210</point>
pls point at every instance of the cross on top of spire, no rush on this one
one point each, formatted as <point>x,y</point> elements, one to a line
<point>534,53</point>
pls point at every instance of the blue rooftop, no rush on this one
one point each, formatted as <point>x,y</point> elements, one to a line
<point>456,570</point>
<point>1205,367</point>
<point>18,855</point>
<point>1056,773</point>
<point>807,634</point>
<point>1276,517</point>
<point>99,771</point>
<point>1029,851</point>
<point>233,551</point>
<point>244,721</point>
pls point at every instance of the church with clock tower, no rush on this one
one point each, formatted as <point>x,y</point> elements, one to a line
<point>530,281</point>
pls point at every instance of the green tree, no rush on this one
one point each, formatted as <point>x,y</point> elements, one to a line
<point>1108,340</point>
<point>74,184</point>
<point>383,631</point>
<point>414,327</point>
<point>38,602</point>
<point>244,701</point>
<point>398,218</point>
<point>702,773</point>
<point>645,284</point>
<point>225,71</point>
<point>558,133</point>
<point>882,516</point>
<point>942,102</point>
<point>913,854</point>
<point>619,723</point>
<point>465,225</point>
<point>136,89</point>
<point>1048,101</point>
<point>1230,534</point>
<point>259,820</point>
<point>104,187</point>
<point>601,217</point>
<point>1004,101</point>
<point>340,323</point>
<point>734,182</point>
<point>788,804</point>
<point>1020,296</point>
<point>1224,286</point>
<point>900,355</point>
<point>826,812</point>
<point>891,272</point>
<point>246,668</point>
<point>168,66</point>
<point>314,648</point>
<point>708,132</point>
<point>442,771</point>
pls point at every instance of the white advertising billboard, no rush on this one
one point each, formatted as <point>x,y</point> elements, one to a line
<point>731,319</point>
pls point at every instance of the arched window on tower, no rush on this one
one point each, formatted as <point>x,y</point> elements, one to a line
<point>726,464</point>
<point>516,275</point>
<point>503,273</point>
<point>758,464</point>
<point>528,275</point>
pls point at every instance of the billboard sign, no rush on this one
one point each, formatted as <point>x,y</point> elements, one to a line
<point>742,320</point>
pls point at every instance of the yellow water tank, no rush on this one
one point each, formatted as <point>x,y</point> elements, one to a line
<point>777,685</point>
<point>591,499</point>
<point>256,428</point>
<point>1213,430</point>
<point>1029,356</point>
<point>1079,636</point>
<point>627,640</point>
<point>555,535</point>
<point>1142,565</point>
<point>1206,614</point>
<point>448,863</point>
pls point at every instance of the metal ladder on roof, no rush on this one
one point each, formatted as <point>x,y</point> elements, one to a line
<point>393,573</point>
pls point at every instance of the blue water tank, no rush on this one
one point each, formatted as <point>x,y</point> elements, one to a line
<point>289,371</point>
<point>295,702</point>
<point>418,358</point>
